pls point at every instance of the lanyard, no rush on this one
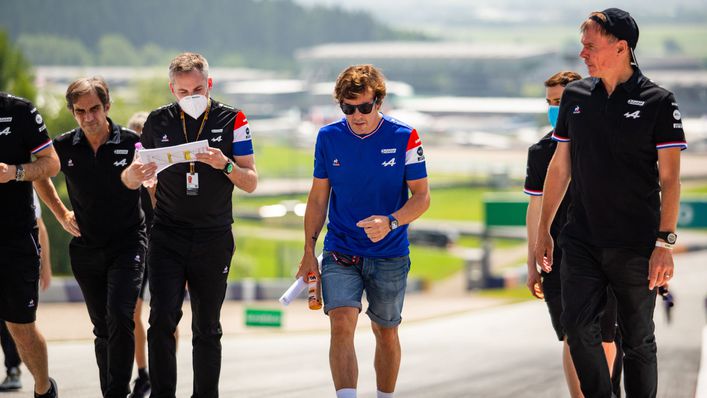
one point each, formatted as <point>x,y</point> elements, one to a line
<point>203,122</point>
<point>198,133</point>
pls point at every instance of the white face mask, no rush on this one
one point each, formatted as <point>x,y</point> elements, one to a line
<point>193,105</point>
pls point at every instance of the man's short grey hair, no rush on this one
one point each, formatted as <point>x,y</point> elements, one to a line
<point>187,62</point>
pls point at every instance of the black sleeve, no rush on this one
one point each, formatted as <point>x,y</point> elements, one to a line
<point>146,138</point>
<point>32,127</point>
<point>536,168</point>
<point>668,132</point>
<point>561,132</point>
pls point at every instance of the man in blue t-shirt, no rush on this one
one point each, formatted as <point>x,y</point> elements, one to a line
<point>364,166</point>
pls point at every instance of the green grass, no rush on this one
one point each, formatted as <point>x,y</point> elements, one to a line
<point>265,258</point>
<point>277,160</point>
<point>697,189</point>
<point>432,264</point>
<point>515,294</point>
<point>463,204</point>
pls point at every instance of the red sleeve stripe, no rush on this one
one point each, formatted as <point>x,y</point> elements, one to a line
<point>413,141</point>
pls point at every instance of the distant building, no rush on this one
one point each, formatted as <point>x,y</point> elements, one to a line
<point>438,68</point>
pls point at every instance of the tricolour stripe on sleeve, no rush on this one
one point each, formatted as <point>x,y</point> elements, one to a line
<point>675,144</point>
<point>41,147</point>
<point>414,153</point>
<point>241,129</point>
<point>532,192</point>
<point>559,139</point>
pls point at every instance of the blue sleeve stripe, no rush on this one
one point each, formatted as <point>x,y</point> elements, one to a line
<point>242,148</point>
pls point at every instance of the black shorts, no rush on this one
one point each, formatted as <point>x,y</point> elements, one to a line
<point>19,278</point>
<point>553,298</point>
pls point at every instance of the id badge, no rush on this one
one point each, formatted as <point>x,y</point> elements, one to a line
<point>192,184</point>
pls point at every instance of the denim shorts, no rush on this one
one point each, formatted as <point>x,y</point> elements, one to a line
<point>383,279</point>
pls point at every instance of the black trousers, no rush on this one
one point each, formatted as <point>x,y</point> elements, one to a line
<point>110,279</point>
<point>586,272</point>
<point>12,357</point>
<point>177,256</point>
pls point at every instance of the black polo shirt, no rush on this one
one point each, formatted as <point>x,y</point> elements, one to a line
<point>539,156</point>
<point>106,211</point>
<point>226,128</point>
<point>614,152</point>
<point>22,133</point>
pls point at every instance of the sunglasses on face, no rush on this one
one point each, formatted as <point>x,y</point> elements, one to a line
<point>365,109</point>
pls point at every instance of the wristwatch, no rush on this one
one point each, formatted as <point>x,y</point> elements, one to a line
<point>393,222</point>
<point>19,173</point>
<point>228,168</point>
<point>668,236</point>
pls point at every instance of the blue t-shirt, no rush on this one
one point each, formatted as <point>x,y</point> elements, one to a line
<point>368,176</point>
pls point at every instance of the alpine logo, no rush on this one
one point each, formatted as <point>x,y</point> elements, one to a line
<point>216,139</point>
<point>122,162</point>
<point>6,131</point>
<point>576,110</point>
<point>390,163</point>
<point>634,115</point>
<point>164,138</point>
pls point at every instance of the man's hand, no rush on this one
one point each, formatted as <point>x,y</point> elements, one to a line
<point>308,264</point>
<point>137,173</point>
<point>376,227</point>
<point>535,282</point>
<point>68,221</point>
<point>213,157</point>
<point>660,267</point>
<point>7,173</point>
<point>543,250</point>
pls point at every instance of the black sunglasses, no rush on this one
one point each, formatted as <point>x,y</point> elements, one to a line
<point>365,109</point>
<point>345,259</point>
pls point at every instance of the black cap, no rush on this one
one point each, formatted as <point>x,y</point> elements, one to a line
<point>620,24</point>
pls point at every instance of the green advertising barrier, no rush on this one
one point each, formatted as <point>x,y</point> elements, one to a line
<point>263,318</point>
<point>503,209</point>
<point>508,210</point>
<point>693,212</point>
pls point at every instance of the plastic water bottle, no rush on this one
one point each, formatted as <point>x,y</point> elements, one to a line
<point>152,181</point>
<point>314,295</point>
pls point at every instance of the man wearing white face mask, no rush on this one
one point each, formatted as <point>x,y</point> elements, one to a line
<point>546,285</point>
<point>191,240</point>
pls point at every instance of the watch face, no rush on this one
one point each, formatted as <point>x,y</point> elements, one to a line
<point>229,168</point>
<point>394,224</point>
<point>672,238</point>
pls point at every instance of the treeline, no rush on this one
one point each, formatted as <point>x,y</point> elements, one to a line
<point>256,33</point>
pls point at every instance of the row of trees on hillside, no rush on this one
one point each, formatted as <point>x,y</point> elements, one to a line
<point>254,33</point>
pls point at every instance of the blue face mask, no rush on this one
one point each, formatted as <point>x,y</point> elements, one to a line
<point>552,112</point>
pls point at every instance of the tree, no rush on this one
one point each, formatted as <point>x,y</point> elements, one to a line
<point>15,71</point>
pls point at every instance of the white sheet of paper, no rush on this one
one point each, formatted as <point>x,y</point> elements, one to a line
<point>293,291</point>
<point>296,287</point>
<point>167,156</point>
